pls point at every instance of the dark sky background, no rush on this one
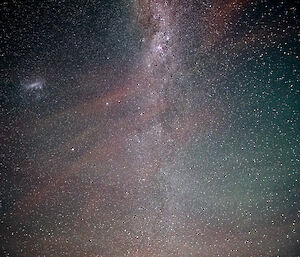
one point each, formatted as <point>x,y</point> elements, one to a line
<point>149,128</point>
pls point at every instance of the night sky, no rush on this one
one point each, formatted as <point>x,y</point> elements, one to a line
<point>149,128</point>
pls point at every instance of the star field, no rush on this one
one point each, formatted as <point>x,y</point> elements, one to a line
<point>149,128</point>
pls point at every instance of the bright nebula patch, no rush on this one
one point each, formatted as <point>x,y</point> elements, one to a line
<point>32,89</point>
<point>37,85</point>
